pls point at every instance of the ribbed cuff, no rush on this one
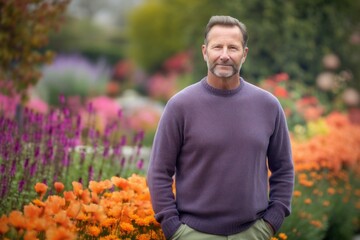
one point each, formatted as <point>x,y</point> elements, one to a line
<point>275,216</point>
<point>170,226</point>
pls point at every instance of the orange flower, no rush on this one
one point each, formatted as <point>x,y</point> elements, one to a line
<point>99,187</point>
<point>144,237</point>
<point>69,196</point>
<point>307,201</point>
<point>316,223</point>
<point>297,193</point>
<point>93,231</point>
<point>59,233</point>
<point>41,188</point>
<point>31,235</point>
<point>32,211</point>
<point>120,182</point>
<point>282,236</point>
<point>77,188</point>
<point>331,191</point>
<point>39,203</point>
<point>17,219</point>
<point>127,227</point>
<point>4,224</point>
<point>73,209</point>
<point>59,187</point>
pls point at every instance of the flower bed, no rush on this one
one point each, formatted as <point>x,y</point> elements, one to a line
<point>326,199</point>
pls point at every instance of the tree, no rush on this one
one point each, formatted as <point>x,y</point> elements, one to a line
<point>24,29</point>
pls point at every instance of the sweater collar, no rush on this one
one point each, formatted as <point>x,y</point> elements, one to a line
<point>221,92</point>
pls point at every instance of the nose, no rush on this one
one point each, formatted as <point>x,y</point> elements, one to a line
<point>224,55</point>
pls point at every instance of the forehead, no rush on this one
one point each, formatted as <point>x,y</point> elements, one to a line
<point>223,32</point>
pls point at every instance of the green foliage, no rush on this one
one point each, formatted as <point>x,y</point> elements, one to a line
<point>89,40</point>
<point>284,36</point>
<point>25,26</point>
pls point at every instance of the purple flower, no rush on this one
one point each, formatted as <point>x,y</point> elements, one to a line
<point>91,172</point>
<point>21,185</point>
<point>140,164</point>
<point>33,169</point>
<point>13,168</point>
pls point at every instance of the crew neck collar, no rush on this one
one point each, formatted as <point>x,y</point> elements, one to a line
<point>221,92</point>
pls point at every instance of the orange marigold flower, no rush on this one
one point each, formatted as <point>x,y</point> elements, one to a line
<point>4,224</point>
<point>62,218</point>
<point>93,231</point>
<point>110,237</point>
<point>32,211</point>
<point>316,223</point>
<point>120,182</point>
<point>143,237</point>
<point>59,187</point>
<point>31,235</point>
<point>39,203</point>
<point>59,233</point>
<point>108,222</point>
<point>41,188</point>
<point>331,191</point>
<point>77,188</point>
<point>74,209</point>
<point>69,196</point>
<point>297,193</point>
<point>127,227</point>
<point>17,219</point>
<point>326,203</point>
<point>307,201</point>
<point>282,236</point>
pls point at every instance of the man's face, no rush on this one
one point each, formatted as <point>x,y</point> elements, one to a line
<point>224,52</point>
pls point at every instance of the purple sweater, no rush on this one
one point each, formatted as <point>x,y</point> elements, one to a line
<point>216,143</point>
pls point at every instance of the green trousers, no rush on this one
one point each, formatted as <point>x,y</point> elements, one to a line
<point>260,230</point>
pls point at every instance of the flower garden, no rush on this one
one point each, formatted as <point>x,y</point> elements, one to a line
<point>64,177</point>
<point>76,132</point>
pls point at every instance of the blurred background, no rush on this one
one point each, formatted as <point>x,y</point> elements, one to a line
<point>83,84</point>
<point>138,53</point>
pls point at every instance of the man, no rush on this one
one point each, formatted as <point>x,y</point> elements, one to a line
<point>218,138</point>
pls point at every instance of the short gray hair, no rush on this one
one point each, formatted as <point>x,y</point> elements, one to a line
<point>226,21</point>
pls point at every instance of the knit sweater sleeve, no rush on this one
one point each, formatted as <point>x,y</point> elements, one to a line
<point>282,173</point>
<point>166,146</point>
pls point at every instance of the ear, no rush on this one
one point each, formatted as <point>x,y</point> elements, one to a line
<point>246,50</point>
<point>204,52</point>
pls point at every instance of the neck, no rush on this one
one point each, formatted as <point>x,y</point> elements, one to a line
<point>223,83</point>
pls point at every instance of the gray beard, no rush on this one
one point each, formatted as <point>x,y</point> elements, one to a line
<point>227,75</point>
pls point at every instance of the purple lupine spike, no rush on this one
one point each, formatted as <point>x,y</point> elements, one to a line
<point>82,156</point>
<point>37,151</point>
<point>138,150</point>
<point>91,172</point>
<point>65,161</point>
<point>80,180</point>
<point>122,162</point>
<point>123,140</point>
<point>106,151</point>
<point>21,185</point>
<point>17,147</point>
<point>2,169</point>
<point>26,163</point>
<point>13,168</point>
<point>4,188</point>
<point>140,164</point>
<point>117,150</point>
<point>33,169</point>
